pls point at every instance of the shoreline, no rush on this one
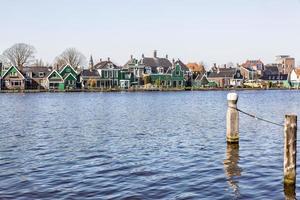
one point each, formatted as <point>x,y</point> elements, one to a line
<point>144,90</point>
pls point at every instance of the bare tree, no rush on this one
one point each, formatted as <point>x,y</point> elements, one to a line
<point>38,63</point>
<point>72,57</point>
<point>5,62</point>
<point>20,54</point>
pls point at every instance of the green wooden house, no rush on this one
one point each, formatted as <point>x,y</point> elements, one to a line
<point>65,78</point>
<point>126,78</point>
<point>70,77</point>
<point>174,77</point>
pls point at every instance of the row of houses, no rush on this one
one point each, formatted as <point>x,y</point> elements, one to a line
<point>151,72</point>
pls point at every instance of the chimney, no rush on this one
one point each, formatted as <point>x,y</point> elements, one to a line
<point>131,57</point>
<point>100,59</point>
<point>108,59</point>
<point>155,54</point>
<point>143,56</point>
<point>167,57</point>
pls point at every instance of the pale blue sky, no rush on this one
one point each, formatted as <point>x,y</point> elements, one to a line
<point>192,30</point>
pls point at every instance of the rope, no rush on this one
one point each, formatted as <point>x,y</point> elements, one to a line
<point>258,118</point>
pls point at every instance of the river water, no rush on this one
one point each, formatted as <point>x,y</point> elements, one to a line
<point>152,145</point>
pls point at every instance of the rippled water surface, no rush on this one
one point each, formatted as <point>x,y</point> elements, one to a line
<point>154,145</point>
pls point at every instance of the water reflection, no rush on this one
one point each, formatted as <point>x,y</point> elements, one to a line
<point>289,192</point>
<point>231,167</point>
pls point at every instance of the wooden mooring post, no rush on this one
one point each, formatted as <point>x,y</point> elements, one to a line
<point>290,149</point>
<point>232,119</point>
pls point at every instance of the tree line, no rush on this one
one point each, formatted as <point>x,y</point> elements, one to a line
<point>22,55</point>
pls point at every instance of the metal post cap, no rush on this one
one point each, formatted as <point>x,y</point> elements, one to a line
<point>232,96</point>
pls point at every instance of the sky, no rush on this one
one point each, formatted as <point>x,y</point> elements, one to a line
<point>209,31</point>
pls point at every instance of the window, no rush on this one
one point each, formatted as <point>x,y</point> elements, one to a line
<point>116,74</point>
<point>13,73</point>
<point>71,82</point>
<point>16,83</point>
<point>105,74</point>
<point>41,74</point>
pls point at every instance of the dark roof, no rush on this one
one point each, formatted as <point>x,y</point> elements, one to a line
<point>183,66</point>
<point>88,72</point>
<point>277,77</point>
<point>106,65</point>
<point>36,70</point>
<point>271,70</point>
<point>221,72</point>
<point>156,62</point>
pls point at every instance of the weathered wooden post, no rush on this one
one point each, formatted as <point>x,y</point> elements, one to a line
<point>290,149</point>
<point>232,123</point>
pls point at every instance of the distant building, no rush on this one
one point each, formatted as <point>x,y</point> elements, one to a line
<point>286,63</point>
<point>249,74</point>
<point>89,78</point>
<point>155,64</point>
<point>273,76</point>
<point>35,77</point>
<point>295,78</point>
<point>109,73</point>
<point>137,69</point>
<point>256,66</point>
<point>13,79</point>
<point>64,78</point>
<point>225,77</point>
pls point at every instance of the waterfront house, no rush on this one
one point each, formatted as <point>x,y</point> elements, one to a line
<point>54,81</point>
<point>109,73</point>
<point>89,78</point>
<point>295,78</point>
<point>188,75</point>
<point>272,77</point>
<point>13,79</point>
<point>196,69</point>
<point>70,77</point>
<point>155,65</point>
<point>174,77</point>
<point>225,77</point>
<point>137,69</point>
<point>250,74</point>
<point>35,77</point>
<point>126,78</point>
<point>256,66</point>
<point>201,81</point>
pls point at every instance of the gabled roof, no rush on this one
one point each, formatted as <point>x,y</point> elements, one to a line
<point>156,62</point>
<point>106,65</point>
<point>63,68</point>
<point>200,76</point>
<point>221,73</point>
<point>250,63</point>
<point>10,69</point>
<point>56,73</point>
<point>194,67</point>
<point>37,69</point>
<point>70,74</point>
<point>297,71</point>
<point>88,72</point>
<point>183,66</point>
<point>271,70</point>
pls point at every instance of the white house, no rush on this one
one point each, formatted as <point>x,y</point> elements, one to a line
<point>295,78</point>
